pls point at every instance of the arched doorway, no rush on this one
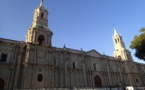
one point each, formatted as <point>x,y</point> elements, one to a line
<point>2,84</point>
<point>97,81</point>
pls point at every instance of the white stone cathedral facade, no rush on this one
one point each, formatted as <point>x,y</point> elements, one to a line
<point>37,64</point>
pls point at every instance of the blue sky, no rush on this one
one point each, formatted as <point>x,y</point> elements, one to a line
<point>86,24</point>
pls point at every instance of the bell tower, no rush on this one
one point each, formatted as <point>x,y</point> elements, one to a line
<point>39,33</point>
<point>120,50</point>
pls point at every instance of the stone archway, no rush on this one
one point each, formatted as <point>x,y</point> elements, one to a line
<point>2,84</point>
<point>97,81</point>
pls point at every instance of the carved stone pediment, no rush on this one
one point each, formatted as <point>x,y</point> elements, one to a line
<point>93,53</point>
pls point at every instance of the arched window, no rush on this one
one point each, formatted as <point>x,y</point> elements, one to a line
<point>41,39</point>
<point>118,39</point>
<point>137,80</point>
<point>42,15</point>
<point>74,66</point>
<point>115,40</point>
<point>119,57</point>
<point>95,67</point>
<point>39,77</point>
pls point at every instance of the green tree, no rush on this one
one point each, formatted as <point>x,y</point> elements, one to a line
<point>138,44</point>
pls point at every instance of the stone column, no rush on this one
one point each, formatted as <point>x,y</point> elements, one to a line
<point>80,78</point>
<point>10,77</point>
<point>50,42</point>
<point>70,78</point>
<point>120,74</point>
<point>34,36</point>
<point>34,61</point>
<point>17,70</point>
<point>65,71</point>
<point>33,74</point>
<point>15,55</point>
<point>46,76</point>
<point>90,74</point>
<point>52,77</point>
<point>47,38</point>
<point>108,70</point>
<point>85,78</point>
<point>24,77</point>
<point>130,79</point>
<point>74,78</point>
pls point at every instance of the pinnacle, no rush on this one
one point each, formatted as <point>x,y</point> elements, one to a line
<point>115,31</point>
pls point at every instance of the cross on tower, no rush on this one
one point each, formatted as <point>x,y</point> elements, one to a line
<point>41,4</point>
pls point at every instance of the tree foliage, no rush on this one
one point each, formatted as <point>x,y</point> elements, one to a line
<point>138,44</point>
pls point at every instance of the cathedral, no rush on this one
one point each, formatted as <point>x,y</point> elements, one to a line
<point>36,64</point>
